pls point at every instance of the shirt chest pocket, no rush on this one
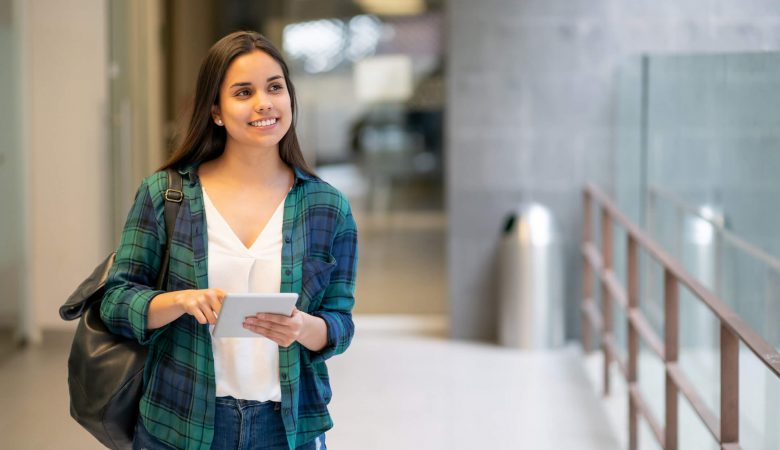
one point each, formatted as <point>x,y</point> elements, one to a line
<point>316,277</point>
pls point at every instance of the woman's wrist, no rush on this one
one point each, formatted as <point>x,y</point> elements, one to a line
<point>314,332</point>
<point>163,309</point>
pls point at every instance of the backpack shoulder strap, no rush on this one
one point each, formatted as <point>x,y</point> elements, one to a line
<point>174,195</point>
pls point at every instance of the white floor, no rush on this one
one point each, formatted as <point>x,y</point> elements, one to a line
<point>391,391</point>
<point>396,392</point>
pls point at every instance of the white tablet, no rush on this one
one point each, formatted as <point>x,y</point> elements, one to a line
<point>237,307</point>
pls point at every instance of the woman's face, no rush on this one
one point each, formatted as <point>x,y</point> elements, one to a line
<point>254,103</point>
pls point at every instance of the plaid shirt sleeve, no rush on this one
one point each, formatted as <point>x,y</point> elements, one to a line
<point>129,287</point>
<point>339,296</point>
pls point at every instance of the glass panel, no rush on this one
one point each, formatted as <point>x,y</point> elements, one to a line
<point>759,410</point>
<point>696,166</point>
<point>692,433</point>
<point>646,439</point>
<point>629,160</point>
<point>651,293</point>
<point>651,380</point>
<point>713,130</point>
<point>750,288</point>
<point>619,316</point>
<point>699,355</point>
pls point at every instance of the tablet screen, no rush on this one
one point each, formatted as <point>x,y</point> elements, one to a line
<point>236,307</point>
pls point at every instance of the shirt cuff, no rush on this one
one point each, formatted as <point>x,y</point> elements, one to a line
<point>332,324</point>
<point>139,315</point>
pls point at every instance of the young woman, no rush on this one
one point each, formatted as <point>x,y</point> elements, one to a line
<point>254,219</point>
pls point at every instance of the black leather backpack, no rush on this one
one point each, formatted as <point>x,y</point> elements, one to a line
<point>105,371</point>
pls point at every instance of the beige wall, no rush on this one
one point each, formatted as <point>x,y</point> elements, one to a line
<point>66,97</point>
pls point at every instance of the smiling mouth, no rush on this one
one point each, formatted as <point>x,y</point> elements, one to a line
<point>263,123</point>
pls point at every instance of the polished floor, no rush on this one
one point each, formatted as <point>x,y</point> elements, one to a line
<point>391,391</point>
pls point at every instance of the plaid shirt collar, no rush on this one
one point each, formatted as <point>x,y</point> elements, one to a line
<point>191,172</point>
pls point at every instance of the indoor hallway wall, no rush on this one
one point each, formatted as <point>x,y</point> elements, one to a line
<point>531,97</point>
<point>66,101</point>
<point>11,160</point>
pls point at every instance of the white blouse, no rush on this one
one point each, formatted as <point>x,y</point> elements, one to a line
<point>245,368</point>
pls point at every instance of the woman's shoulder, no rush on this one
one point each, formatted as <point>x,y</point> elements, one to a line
<point>156,184</point>
<point>321,193</point>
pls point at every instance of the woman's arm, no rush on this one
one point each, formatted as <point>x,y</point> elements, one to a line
<point>339,297</point>
<point>131,307</point>
<point>203,304</point>
<point>129,285</point>
<point>310,331</point>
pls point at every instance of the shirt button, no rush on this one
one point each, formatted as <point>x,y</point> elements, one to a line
<point>287,239</point>
<point>284,376</point>
<point>286,411</point>
<point>287,272</point>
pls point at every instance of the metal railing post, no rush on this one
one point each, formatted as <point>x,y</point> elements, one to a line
<point>633,339</point>
<point>671,347</point>
<point>729,386</point>
<point>606,256</point>
<point>587,271</point>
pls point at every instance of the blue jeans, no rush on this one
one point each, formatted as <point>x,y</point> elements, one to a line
<point>239,425</point>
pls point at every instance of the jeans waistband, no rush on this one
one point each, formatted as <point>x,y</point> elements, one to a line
<point>238,403</point>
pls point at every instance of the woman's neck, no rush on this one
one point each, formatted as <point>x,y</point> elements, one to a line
<point>261,168</point>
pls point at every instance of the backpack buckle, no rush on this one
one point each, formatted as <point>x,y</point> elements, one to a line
<point>174,195</point>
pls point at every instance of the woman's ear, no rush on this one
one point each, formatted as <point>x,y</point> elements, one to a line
<point>216,116</point>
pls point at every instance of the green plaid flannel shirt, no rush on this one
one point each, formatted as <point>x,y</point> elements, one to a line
<point>319,260</point>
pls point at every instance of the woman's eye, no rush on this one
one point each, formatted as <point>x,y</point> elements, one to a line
<point>243,93</point>
<point>275,87</point>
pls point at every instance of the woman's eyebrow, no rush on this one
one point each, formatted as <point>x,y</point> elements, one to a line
<point>241,84</point>
<point>247,83</point>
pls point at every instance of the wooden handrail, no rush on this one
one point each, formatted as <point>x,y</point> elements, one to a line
<point>725,429</point>
<point>762,349</point>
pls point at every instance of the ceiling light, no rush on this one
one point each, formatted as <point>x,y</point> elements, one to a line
<point>392,7</point>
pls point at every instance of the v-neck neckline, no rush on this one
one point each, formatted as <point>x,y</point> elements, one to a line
<point>226,224</point>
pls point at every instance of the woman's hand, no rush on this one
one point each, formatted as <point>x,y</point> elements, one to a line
<point>202,304</point>
<point>309,330</point>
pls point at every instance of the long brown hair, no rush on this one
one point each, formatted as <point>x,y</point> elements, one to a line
<point>204,140</point>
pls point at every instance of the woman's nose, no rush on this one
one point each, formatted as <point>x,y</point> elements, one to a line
<point>263,104</point>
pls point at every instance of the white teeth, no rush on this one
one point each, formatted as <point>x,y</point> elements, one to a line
<point>263,123</point>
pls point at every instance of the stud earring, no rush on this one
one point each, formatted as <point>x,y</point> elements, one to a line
<point>219,122</point>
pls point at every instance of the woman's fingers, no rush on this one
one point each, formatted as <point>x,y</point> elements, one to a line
<point>209,313</point>
<point>199,316</point>
<point>282,339</point>
<point>203,305</point>
<point>281,329</point>
<point>214,300</point>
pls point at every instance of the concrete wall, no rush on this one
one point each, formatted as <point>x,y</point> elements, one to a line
<point>531,98</point>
